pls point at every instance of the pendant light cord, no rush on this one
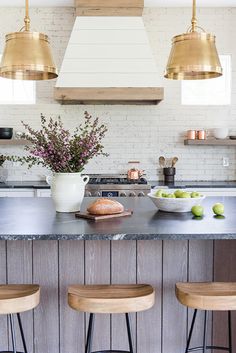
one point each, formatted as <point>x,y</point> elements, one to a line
<point>27,19</point>
<point>194,19</point>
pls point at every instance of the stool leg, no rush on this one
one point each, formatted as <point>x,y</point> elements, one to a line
<point>13,337</point>
<point>129,333</point>
<point>191,330</point>
<point>22,333</point>
<point>230,331</point>
<point>89,334</point>
<point>205,331</point>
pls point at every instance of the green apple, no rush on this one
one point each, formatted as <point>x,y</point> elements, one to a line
<point>195,194</point>
<point>178,193</point>
<point>171,196</point>
<point>218,209</point>
<point>185,195</point>
<point>159,193</point>
<point>197,210</point>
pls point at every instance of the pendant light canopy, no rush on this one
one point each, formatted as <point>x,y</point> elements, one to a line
<point>193,55</point>
<point>27,55</point>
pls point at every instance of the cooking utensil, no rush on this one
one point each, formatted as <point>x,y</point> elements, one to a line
<point>162,162</point>
<point>6,133</point>
<point>134,173</point>
<point>174,161</point>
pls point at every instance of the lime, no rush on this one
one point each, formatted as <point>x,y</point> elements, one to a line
<point>195,194</point>
<point>178,193</point>
<point>171,196</point>
<point>185,195</point>
<point>218,209</point>
<point>159,193</point>
<point>197,210</point>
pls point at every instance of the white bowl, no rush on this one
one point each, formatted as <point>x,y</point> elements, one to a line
<point>221,132</point>
<point>175,204</point>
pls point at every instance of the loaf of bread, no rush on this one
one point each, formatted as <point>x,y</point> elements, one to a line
<point>104,206</point>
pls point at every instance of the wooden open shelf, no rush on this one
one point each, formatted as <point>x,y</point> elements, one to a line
<point>14,142</point>
<point>210,142</point>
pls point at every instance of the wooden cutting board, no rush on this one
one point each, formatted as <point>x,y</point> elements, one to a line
<point>95,218</point>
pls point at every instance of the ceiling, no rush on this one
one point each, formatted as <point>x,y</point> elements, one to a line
<point>148,3</point>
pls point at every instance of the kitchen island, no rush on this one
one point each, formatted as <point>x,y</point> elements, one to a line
<point>150,246</point>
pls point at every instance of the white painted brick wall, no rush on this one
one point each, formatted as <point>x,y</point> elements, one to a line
<point>142,132</point>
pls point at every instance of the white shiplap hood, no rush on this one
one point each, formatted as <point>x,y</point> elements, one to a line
<point>108,58</point>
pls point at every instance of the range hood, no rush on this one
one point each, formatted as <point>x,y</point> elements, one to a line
<point>108,58</point>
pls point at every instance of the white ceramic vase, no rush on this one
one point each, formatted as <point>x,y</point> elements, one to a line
<point>67,191</point>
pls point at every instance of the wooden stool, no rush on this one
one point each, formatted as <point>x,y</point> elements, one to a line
<point>207,296</point>
<point>110,299</point>
<point>15,299</point>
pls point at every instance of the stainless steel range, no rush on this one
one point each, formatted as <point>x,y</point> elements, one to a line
<point>116,185</point>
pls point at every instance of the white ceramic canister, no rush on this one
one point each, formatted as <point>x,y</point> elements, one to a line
<point>221,132</point>
<point>67,190</point>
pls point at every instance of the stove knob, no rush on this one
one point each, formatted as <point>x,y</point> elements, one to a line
<point>97,193</point>
<point>88,194</point>
<point>123,194</point>
<point>132,194</point>
<point>141,194</point>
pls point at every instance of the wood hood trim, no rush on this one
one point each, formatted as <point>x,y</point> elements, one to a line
<point>109,7</point>
<point>111,95</point>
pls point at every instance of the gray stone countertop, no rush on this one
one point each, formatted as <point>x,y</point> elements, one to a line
<point>194,184</point>
<point>35,218</point>
<point>152,183</point>
<point>24,185</point>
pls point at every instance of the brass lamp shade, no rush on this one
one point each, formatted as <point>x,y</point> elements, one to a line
<point>27,56</point>
<point>193,57</point>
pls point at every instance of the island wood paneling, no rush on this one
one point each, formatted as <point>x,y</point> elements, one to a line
<point>149,270</point>
<point>71,271</point>
<point>46,318</point>
<point>20,270</point>
<point>200,270</point>
<point>3,279</point>
<point>98,270</point>
<point>224,270</point>
<point>175,261</point>
<point>123,262</point>
<point>54,327</point>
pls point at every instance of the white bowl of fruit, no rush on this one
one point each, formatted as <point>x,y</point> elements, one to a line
<point>177,201</point>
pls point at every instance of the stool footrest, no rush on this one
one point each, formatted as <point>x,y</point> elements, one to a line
<point>207,347</point>
<point>110,351</point>
<point>10,352</point>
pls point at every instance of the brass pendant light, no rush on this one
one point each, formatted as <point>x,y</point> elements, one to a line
<point>193,55</point>
<point>27,55</point>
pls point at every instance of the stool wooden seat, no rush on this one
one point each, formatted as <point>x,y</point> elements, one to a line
<point>207,295</point>
<point>111,298</point>
<point>15,298</point>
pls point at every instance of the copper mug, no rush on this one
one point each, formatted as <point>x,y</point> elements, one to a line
<point>201,135</point>
<point>191,134</point>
